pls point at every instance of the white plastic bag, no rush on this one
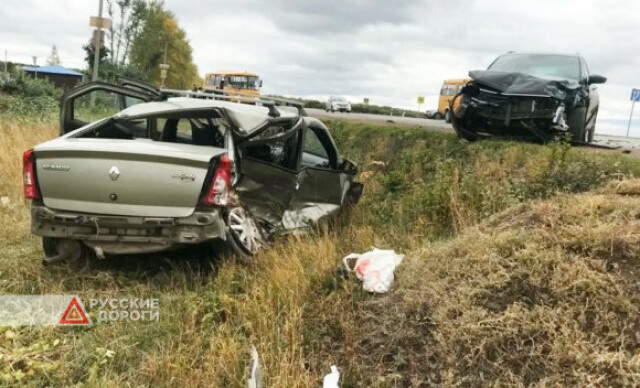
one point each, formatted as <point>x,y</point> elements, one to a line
<point>255,373</point>
<point>375,268</point>
<point>332,379</point>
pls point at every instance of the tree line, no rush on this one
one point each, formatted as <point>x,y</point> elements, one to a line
<point>142,33</point>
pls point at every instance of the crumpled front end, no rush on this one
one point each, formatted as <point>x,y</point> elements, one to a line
<point>515,104</point>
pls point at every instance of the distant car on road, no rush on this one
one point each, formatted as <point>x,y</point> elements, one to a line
<point>540,95</point>
<point>338,104</point>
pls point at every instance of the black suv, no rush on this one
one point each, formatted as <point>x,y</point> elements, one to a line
<point>539,95</point>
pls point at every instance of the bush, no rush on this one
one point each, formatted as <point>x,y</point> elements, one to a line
<point>22,85</point>
<point>438,184</point>
<point>22,95</point>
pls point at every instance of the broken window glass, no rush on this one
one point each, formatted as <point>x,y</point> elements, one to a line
<point>280,151</point>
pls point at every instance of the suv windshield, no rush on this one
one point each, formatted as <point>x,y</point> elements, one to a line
<point>543,66</point>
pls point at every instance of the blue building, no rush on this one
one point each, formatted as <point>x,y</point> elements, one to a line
<point>60,76</point>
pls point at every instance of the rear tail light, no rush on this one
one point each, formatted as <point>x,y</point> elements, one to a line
<point>219,190</point>
<point>28,175</point>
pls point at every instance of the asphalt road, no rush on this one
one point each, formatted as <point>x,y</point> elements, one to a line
<point>372,118</point>
<point>440,125</point>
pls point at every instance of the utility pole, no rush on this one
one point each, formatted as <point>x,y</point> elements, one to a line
<point>96,45</point>
<point>164,66</point>
<point>6,73</point>
<point>635,96</point>
<point>630,117</point>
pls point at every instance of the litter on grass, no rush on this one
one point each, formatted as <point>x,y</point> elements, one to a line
<point>332,379</point>
<point>375,268</point>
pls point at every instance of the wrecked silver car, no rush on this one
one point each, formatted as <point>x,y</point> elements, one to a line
<point>531,95</point>
<point>176,171</point>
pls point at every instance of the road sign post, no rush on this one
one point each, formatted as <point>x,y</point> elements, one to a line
<point>420,101</point>
<point>635,96</point>
<point>99,23</point>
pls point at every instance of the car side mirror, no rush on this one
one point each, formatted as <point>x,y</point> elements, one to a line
<point>260,83</point>
<point>348,167</point>
<point>597,79</point>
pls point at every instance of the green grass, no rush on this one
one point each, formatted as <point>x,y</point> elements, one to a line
<point>509,279</point>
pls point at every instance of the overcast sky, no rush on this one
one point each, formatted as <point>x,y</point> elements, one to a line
<point>388,51</point>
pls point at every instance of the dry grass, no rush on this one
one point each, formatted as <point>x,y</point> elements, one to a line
<point>17,137</point>
<point>545,294</point>
<point>541,294</point>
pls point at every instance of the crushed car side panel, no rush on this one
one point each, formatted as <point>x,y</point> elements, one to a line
<point>292,178</point>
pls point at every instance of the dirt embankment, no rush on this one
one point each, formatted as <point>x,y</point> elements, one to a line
<point>544,294</point>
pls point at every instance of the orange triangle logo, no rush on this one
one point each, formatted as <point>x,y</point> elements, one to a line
<point>74,315</point>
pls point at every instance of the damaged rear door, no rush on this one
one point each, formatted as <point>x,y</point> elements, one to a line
<point>95,100</point>
<point>268,170</point>
<point>321,186</point>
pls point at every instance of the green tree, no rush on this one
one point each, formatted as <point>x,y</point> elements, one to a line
<point>160,31</point>
<point>53,59</point>
<point>89,55</point>
<point>127,17</point>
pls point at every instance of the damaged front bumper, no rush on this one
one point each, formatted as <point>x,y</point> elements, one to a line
<point>127,235</point>
<point>515,104</point>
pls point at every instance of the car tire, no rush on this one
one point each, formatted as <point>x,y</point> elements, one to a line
<point>447,116</point>
<point>244,235</point>
<point>437,116</point>
<point>577,120</point>
<point>79,257</point>
<point>461,131</point>
<point>591,131</point>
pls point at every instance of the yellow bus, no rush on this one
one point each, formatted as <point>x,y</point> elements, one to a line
<point>450,87</point>
<point>232,82</point>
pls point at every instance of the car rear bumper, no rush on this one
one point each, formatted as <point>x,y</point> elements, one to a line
<point>122,234</point>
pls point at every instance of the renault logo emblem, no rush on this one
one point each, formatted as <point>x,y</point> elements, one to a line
<point>114,173</point>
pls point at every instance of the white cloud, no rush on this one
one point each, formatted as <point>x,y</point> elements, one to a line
<point>389,51</point>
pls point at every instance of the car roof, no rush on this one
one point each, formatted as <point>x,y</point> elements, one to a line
<point>244,116</point>
<point>456,81</point>
<point>540,54</point>
<point>233,72</point>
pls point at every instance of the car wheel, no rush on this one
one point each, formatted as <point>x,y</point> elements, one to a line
<point>591,131</point>
<point>244,235</point>
<point>447,116</point>
<point>461,131</point>
<point>64,251</point>
<point>437,116</point>
<point>576,119</point>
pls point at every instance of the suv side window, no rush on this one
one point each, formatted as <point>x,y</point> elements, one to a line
<point>584,70</point>
<point>314,153</point>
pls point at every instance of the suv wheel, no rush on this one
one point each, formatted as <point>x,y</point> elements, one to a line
<point>576,119</point>
<point>244,235</point>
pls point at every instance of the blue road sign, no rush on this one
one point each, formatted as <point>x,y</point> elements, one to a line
<point>635,95</point>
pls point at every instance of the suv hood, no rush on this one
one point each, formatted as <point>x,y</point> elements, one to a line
<point>520,84</point>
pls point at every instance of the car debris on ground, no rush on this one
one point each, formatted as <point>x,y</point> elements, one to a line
<point>332,379</point>
<point>374,268</point>
<point>255,372</point>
